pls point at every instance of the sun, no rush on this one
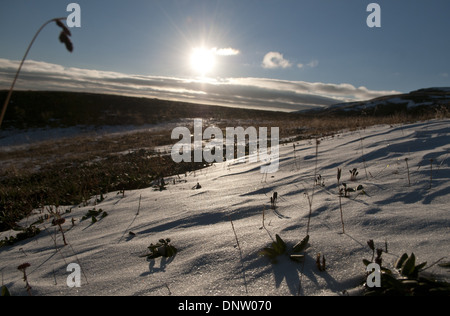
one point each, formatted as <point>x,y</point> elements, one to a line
<point>202,60</point>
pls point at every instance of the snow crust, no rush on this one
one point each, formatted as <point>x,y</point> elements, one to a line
<point>409,219</point>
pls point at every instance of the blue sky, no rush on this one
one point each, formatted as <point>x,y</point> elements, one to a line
<point>317,51</point>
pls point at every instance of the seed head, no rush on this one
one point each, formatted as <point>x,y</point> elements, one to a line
<point>23,266</point>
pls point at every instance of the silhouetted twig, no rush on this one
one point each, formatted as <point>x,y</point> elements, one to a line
<point>64,37</point>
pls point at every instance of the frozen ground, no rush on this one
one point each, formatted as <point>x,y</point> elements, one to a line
<point>13,139</point>
<point>412,218</point>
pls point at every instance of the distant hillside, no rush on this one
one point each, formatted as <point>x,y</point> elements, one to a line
<point>40,109</point>
<point>37,109</point>
<point>416,102</point>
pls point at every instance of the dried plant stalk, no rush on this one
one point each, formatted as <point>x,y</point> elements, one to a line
<point>64,38</point>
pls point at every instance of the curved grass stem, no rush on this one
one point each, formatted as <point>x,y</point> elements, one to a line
<point>8,98</point>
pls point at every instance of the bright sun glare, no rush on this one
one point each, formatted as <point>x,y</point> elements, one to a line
<point>202,60</point>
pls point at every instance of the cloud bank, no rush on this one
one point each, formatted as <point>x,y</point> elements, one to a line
<point>260,93</point>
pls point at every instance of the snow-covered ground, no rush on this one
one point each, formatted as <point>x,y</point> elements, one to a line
<point>409,218</point>
<point>13,139</point>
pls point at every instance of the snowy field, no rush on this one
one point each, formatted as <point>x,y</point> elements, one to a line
<point>409,215</point>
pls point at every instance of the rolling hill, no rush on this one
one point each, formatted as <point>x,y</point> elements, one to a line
<point>43,109</point>
<point>415,102</point>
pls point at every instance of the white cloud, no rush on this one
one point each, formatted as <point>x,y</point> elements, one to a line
<point>313,64</point>
<point>237,92</point>
<point>274,60</point>
<point>226,51</point>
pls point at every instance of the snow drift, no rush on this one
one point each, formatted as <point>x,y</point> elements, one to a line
<point>215,257</point>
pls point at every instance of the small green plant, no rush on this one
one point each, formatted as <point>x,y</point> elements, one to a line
<point>94,214</point>
<point>320,181</point>
<point>25,233</point>
<point>163,248</point>
<point>161,185</point>
<point>274,200</point>
<point>407,266</point>
<point>354,174</point>
<point>101,199</point>
<point>405,279</point>
<point>345,190</point>
<point>279,248</point>
<point>321,262</point>
<point>4,292</point>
